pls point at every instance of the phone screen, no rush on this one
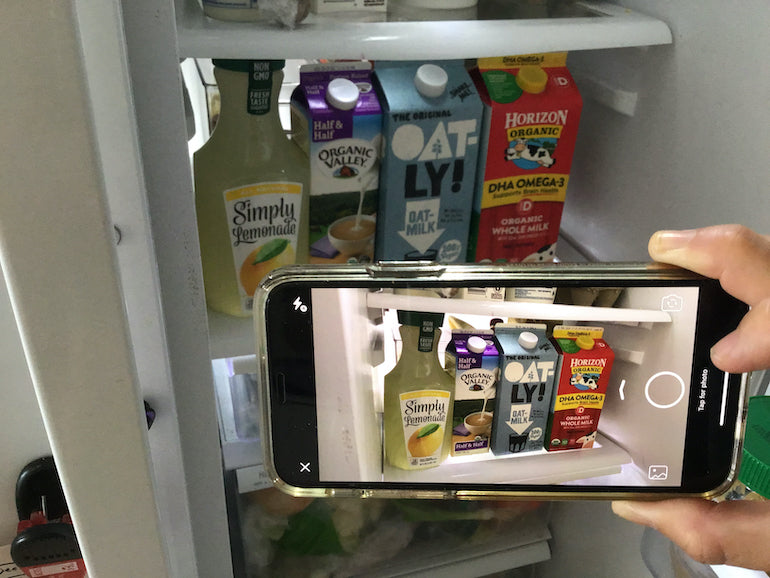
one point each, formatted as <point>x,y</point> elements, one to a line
<point>590,387</point>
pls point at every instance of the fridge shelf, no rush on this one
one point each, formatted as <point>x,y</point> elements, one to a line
<point>604,459</point>
<point>544,311</point>
<point>494,28</point>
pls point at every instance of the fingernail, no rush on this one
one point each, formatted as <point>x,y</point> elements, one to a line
<point>632,511</point>
<point>664,241</point>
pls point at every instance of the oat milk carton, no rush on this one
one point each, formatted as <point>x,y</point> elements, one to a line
<point>337,121</point>
<point>528,368</point>
<point>473,358</point>
<point>584,371</point>
<point>431,124</point>
<point>532,108</point>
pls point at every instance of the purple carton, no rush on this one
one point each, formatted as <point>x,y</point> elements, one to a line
<point>337,121</point>
<point>473,358</point>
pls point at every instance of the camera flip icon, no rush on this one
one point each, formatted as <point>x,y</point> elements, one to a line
<point>671,303</point>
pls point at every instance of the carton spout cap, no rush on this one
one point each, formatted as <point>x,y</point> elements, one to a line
<point>532,79</point>
<point>431,80</point>
<point>476,344</point>
<point>342,94</point>
<point>585,342</point>
<point>528,340</point>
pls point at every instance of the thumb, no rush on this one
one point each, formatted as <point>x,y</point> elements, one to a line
<point>733,533</point>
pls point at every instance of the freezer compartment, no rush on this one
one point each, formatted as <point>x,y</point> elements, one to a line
<point>642,425</point>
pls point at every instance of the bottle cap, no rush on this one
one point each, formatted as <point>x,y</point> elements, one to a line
<point>532,79</point>
<point>585,342</point>
<point>476,344</point>
<point>416,318</point>
<point>755,465</point>
<point>245,65</point>
<point>431,80</point>
<point>527,340</point>
<point>342,94</point>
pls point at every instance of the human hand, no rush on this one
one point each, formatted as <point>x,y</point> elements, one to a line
<point>734,533</point>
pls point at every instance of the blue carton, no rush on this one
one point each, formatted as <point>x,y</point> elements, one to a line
<point>431,126</point>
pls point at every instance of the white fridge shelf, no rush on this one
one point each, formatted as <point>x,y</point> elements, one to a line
<point>494,29</point>
<point>604,459</point>
<point>544,311</point>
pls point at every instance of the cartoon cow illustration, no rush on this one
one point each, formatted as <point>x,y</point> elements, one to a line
<point>583,381</point>
<point>542,255</point>
<point>587,441</point>
<point>521,149</point>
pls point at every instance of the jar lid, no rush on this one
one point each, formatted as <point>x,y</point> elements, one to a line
<point>532,79</point>
<point>527,340</point>
<point>431,80</point>
<point>585,342</point>
<point>755,465</point>
<point>342,94</point>
<point>244,65</point>
<point>476,344</point>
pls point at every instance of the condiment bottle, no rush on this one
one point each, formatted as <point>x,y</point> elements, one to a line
<point>251,188</point>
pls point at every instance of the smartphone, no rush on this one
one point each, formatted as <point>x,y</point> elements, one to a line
<point>330,339</point>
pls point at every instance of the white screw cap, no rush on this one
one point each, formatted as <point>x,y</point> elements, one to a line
<point>342,94</point>
<point>431,80</point>
<point>528,340</point>
<point>476,344</point>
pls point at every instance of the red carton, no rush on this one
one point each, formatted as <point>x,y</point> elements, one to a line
<point>532,109</point>
<point>585,364</point>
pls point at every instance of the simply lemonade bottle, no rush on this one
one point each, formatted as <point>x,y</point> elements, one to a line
<point>418,397</point>
<point>251,188</point>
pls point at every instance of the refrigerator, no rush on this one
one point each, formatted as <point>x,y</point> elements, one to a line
<point>99,247</point>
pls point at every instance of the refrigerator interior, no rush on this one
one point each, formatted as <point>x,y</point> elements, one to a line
<point>652,145</point>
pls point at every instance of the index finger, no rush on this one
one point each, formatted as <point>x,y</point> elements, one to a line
<point>736,255</point>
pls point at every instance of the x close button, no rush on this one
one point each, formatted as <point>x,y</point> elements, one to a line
<point>304,467</point>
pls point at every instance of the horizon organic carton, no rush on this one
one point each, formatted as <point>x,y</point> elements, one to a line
<point>431,126</point>
<point>585,364</point>
<point>531,114</point>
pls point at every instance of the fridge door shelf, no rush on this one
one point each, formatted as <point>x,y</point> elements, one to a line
<point>498,28</point>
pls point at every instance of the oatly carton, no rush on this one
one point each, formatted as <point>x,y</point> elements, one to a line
<point>532,109</point>
<point>337,121</point>
<point>472,357</point>
<point>528,368</point>
<point>431,124</point>
<point>584,370</point>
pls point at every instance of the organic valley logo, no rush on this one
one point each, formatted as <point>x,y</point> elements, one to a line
<point>347,158</point>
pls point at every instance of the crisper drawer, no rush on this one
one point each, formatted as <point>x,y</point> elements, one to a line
<point>274,534</point>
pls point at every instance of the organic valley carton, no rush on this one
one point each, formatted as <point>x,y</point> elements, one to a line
<point>431,124</point>
<point>528,369</point>
<point>584,372</point>
<point>337,121</point>
<point>531,114</point>
<point>473,358</point>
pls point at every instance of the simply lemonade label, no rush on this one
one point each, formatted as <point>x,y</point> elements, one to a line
<point>263,225</point>
<point>424,414</point>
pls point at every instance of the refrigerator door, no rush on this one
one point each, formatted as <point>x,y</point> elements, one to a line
<point>93,330</point>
